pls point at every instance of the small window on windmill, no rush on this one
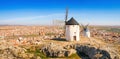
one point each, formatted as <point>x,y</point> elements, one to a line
<point>74,32</point>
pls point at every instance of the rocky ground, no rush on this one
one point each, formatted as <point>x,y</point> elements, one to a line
<point>48,42</point>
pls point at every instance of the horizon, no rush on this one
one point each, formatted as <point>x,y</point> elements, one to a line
<point>43,12</point>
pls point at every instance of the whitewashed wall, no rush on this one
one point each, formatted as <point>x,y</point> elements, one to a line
<point>87,33</point>
<point>72,30</point>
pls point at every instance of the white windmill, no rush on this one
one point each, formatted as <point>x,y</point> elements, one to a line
<point>86,30</point>
<point>72,31</point>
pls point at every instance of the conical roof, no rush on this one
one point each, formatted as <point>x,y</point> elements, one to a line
<point>72,21</point>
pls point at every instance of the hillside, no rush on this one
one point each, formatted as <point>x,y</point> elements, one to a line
<point>40,42</point>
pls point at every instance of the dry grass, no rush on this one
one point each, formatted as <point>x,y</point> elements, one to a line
<point>32,31</point>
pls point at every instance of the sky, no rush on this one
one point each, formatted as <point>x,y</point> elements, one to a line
<point>43,12</point>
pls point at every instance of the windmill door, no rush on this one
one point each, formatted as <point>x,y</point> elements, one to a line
<point>74,37</point>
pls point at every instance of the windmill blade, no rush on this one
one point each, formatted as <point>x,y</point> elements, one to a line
<point>86,25</point>
<point>82,26</point>
<point>66,16</point>
<point>58,22</point>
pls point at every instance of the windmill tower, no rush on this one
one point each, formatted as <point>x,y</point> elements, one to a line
<point>86,31</point>
<point>72,32</point>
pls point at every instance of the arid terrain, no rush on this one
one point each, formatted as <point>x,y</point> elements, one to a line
<point>47,42</point>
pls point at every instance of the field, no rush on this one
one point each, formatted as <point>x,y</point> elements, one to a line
<point>29,42</point>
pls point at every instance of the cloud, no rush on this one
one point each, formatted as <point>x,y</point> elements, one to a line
<point>42,19</point>
<point>92,19</point>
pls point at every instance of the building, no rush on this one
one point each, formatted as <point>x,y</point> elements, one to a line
<point>72,30</point>
<point>86,32</point>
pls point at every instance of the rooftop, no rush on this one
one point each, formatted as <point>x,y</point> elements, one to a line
<point>72,21</point>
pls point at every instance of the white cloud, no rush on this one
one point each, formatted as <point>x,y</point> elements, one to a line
<point>47,19</point>
<point>44,19</point>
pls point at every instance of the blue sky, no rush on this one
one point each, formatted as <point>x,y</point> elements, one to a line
<point>39,12</point>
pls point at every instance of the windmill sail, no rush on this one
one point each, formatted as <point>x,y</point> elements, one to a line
<point>66,17</point>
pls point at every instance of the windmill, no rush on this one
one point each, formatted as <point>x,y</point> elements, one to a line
<point>86,30</point>
<point>71,29</point>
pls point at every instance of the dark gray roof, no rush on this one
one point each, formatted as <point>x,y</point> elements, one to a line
<point>72,21</point>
